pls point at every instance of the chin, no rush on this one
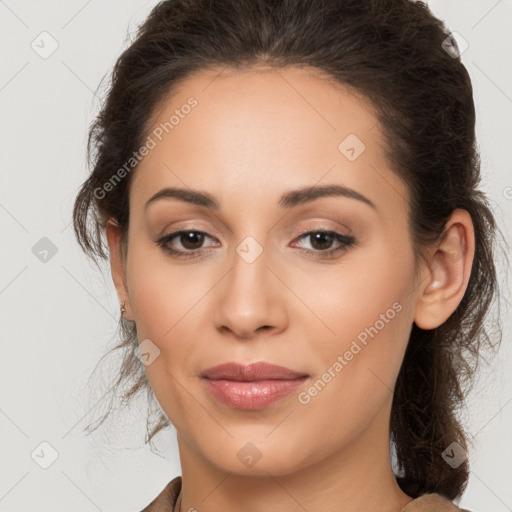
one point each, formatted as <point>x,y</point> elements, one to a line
<point>251,457</point>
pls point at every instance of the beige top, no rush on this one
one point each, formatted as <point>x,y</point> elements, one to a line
<point>167,500</point>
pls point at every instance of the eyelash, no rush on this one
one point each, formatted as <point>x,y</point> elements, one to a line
<point>345,241</point>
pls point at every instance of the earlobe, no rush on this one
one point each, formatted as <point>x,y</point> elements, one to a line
<point>117,266</point>
<point>448,272</point>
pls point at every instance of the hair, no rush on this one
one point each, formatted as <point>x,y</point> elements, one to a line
<point>392,53</point>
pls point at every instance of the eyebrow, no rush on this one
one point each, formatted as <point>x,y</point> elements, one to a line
<point>287,200</point>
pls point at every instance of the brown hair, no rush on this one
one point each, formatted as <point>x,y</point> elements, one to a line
<point>393,52</point>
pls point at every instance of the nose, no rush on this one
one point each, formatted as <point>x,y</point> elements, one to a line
<point>250,299</point>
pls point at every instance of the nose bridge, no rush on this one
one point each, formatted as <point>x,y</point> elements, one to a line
<point>250,266</point>
<point>249,299</point>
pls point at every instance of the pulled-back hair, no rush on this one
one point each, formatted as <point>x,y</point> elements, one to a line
<point>395,54</point>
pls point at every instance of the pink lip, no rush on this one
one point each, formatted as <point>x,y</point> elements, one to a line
<point>251,387</point>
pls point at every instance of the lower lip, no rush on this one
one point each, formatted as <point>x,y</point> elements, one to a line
<point>252,395</point>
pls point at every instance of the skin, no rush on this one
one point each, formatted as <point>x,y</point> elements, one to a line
<point>254,135</point>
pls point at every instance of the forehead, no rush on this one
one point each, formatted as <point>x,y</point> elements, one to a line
<point>262,130</point>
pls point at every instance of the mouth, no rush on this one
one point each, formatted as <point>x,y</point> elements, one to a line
<point>251,387</point>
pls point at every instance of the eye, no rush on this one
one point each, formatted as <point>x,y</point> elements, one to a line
<point>189,239</point>
<point>322,243</point>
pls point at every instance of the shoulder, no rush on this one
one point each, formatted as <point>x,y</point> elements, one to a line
<point>432,502</point>
<point>166,499</point>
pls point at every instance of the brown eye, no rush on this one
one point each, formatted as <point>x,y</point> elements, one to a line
<point>322,242</point>
<point>184,243</point>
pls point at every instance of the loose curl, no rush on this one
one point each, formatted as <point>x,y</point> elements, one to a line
<point>390,52</point>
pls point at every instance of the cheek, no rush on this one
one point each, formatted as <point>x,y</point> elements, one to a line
<point>368,309</point>
<point>169,303</point>
<point>164,305</point>
<point>363,291</point>
<point>356,373</point>
<point>161,294</point>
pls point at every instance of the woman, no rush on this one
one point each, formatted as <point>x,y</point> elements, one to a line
<point>289,193</point>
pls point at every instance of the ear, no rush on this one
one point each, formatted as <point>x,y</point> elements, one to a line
<point>447,273</point>
<point>117,265</point>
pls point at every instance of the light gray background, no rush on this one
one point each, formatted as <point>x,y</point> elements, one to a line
<point>58,317</point>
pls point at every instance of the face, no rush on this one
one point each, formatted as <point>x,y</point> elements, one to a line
<point>320,283</point>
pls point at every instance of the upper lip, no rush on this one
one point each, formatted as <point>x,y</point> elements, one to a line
<point>251,372</point>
